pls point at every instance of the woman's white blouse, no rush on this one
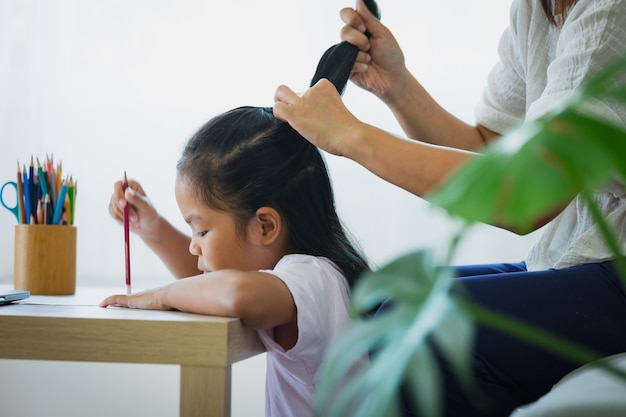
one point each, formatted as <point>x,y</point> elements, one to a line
<point>540,66</point>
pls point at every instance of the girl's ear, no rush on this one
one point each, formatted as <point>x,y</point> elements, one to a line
<point>268,225</point>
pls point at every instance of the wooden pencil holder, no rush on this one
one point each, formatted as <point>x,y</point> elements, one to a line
<point>45,259</point>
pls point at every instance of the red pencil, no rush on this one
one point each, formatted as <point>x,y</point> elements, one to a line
<point>126,238</point>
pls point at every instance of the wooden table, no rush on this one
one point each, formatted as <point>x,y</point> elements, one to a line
<point>59,328</point>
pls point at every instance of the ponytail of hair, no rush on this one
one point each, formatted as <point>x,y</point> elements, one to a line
<point>337,62</point>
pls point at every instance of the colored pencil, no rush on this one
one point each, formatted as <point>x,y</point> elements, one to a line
<point>126,238</point>
<point>40,219</point>
<point>54,190</point>
<point>32,190</point>
<point>43,197</point>
<point>26,196</point>
<point>59,175</point>
<point>71,194</point>
<point>35,198</point>
<point>20,196</point>
<point>59,205</point>
<point>66,210</point>
<point>46,209</point>
<point>43,183</point>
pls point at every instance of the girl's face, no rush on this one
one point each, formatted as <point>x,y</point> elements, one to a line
<point>214,237</point>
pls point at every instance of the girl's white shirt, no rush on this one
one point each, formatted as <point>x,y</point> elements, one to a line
<point>540,67</point>
<point>321,295</point>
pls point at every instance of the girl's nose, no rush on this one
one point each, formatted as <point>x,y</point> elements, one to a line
<point>194,248</point>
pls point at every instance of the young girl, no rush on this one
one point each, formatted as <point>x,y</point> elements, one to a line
<point>266,239</point>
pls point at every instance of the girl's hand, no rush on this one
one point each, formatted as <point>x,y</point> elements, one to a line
<point>319,115</point>
<point>147,300</point>
<point>142,216</point>
<point>380,66</point>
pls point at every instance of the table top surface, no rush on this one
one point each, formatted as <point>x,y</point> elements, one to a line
<point>84,304</point>
<point>76,328</point>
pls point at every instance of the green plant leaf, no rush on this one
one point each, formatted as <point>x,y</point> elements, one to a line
<point>610,82</point>
<point>396,341</point>
<point>395,279</point>
<point>348,356</point>
<point>457,329</point>
<point>602,139</point>
<point>423,380</point>
<point>490,188</point>
<point>527,174</point>
<point>525,183</point>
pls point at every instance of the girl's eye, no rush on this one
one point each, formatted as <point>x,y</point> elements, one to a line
<point>201,234</point>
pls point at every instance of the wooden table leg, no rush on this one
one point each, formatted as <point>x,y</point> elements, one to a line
<point>205,391</point>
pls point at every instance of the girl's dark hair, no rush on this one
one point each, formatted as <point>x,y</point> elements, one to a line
<point>245,159</point>
<point>338,60</point>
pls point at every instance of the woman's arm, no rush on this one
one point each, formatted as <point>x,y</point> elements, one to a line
<point>415,166</point>
<point>423,119</point>
<point>321,117</point>
<point>412,165</point>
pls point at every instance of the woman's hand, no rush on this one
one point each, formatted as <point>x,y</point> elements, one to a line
<point>142,216</point>
<point>380,66</point>
<point>319,115</point>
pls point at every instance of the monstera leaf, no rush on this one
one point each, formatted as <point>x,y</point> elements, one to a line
<point>379,351</point>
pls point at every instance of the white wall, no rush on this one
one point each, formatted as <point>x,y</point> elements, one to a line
<point>119,85</point>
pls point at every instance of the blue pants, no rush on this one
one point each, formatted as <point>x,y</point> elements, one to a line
<point>585,304</point>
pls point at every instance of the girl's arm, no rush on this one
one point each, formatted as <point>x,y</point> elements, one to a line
<point>168,243</point>
<point>259,299</point>
<point>172,247</point>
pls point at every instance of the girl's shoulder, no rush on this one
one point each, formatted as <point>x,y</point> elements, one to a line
<point>302,260</point>
<point>314,274</point>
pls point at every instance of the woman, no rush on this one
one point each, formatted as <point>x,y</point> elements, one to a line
<point>567,283</point>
